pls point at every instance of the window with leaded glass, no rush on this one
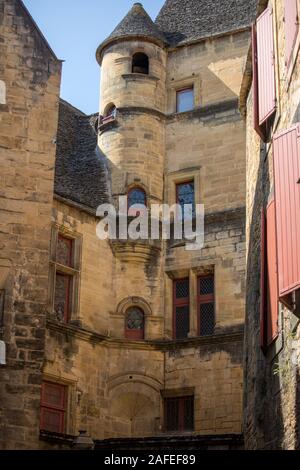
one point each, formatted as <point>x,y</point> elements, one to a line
<point>64,275</point>
<point>206,305</point>
<point>181,308</point>
<point>134,323</point>
<point>136,196</point>
<point>64,278</point>
<point>53,407</point>
<point>185,196</point>
<point>179,414</point>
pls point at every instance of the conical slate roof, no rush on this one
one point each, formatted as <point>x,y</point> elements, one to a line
<point>137,23</point>
<point>183,21</point>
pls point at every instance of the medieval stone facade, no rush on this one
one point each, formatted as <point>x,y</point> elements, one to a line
<point>271,388</point>
<point>137,339</point>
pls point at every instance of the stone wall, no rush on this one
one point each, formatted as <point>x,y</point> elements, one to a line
<point>271,393</point>
<point>28,115</point>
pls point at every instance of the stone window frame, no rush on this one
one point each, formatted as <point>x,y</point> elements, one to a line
<point>72,399</point>
<point>134,334</point>
<point>146,57</point>
<point>179,393</point>
<point>133,301</point>
<point>194,82</point>
<point>182,90</point>
<point>74,271</point>
<point>182,176</point>
<point>193,273</point>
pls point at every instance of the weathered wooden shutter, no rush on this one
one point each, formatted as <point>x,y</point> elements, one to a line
<point>263,281</point>
<point>291,27</point>
<point>272,304</point>
<point>256,125</point>
<point>265,66</point>
<point>269,282</point>
<point>286,151</point>
<point>53,404</point>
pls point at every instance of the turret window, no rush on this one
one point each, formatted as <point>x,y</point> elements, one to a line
<point>134,323</point>
<point>109,114</point>
<point>136,196</point>
<point>140,63</point>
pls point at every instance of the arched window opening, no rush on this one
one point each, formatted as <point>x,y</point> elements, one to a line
<point>134,323</point>
<point>110,114</point>
<point>136,197</point>
<point>140,63</point>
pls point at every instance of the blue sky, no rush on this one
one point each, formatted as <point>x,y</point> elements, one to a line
<point>74,29</point>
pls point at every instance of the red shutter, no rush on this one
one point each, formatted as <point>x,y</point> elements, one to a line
<point>265,66</point>
<point>263,282</point>
<point>53,407</point>
<point>256,125</point>
<point>291,27</point>
<point>286,150</point>
<point>272,305</point>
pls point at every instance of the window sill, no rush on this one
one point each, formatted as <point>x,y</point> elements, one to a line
<point>107,125</point>
<point>57,438</point>
<point>135,77</point>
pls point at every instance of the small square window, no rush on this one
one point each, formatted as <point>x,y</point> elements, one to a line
<point>185,100</point>
<point>179,414</point>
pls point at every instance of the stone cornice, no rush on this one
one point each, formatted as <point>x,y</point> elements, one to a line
<point>129,37</point>
<point>213,111</point>
<point>76,205</point>
<point>230,335</point>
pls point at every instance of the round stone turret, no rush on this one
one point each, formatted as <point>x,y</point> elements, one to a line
<point>133,100</point>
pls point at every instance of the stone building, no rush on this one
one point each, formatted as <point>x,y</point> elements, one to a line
<point>122,338</point>
<point>270,100</point>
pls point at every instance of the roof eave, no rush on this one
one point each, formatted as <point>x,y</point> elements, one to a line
<point>127,37</point>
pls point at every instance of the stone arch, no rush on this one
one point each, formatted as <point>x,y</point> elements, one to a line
<point>134,302</point>
<point>140,63</point>
<point>134,405</point>
<point>109,109</point>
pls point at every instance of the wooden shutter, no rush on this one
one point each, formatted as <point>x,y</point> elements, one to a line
<point>181,308</point>
<point>263,282</point>
<point>291,27</point>
<point>53,406</point>
<point>265,66</point>
<point>272,304</point>
<point>269,282</point>
<point>286,154</point>
<point>257,127</point>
